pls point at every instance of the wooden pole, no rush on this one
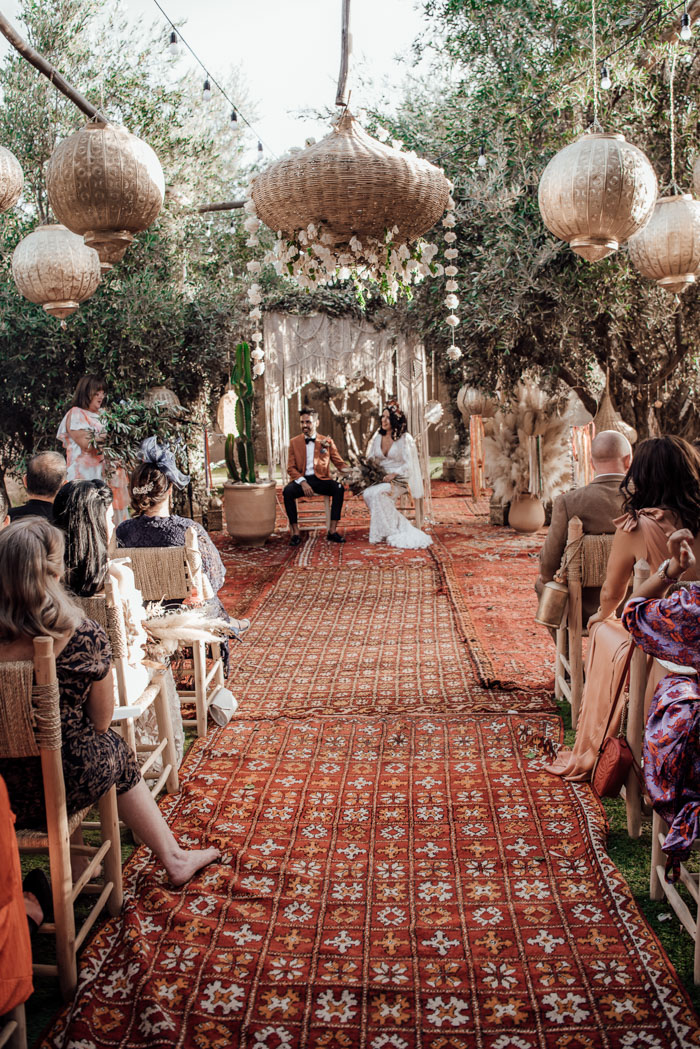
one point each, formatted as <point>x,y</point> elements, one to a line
<point>223,205</point>
<point>52,74</point>
<point>340,98</point>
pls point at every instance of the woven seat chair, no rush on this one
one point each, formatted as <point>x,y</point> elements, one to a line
<point>584,563</point>
<point>312,513</point>
<point>175,574</point>
<point>13,1029</point>
<point>30,726</point>
<point>411,507</point>
<point>107,610</point>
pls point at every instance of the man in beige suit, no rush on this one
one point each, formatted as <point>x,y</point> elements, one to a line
<point>597,504</point>
<point>309,459</point>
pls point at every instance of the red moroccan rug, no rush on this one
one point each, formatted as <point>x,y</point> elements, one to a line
<point>489,573</point>
<point>366,631</point>
<point>389,883</point>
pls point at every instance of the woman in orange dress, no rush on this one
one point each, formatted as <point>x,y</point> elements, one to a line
<point>77,435</point>
<point>662,494</point>
<point>15,949</point>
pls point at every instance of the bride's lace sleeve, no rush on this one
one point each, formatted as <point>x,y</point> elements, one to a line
<point>413,471</point>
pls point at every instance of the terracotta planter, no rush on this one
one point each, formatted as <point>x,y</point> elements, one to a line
<point>250,511</point>
<point>526,513</point>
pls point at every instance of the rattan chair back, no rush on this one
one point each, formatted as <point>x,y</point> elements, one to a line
<point>30,716</point>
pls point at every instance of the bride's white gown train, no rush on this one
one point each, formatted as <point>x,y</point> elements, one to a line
<point>386,523</point>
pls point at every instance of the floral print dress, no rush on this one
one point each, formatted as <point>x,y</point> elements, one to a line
<point>92,761</point>
<point>669,629</point>
<point>89,465</point>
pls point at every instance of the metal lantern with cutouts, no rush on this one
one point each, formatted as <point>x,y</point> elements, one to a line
<point>56,269</point>
<point>668,248</point>
<point>353,186</point>
<point>596,193</point>
<point>11,179</point>
<point>106,184</point>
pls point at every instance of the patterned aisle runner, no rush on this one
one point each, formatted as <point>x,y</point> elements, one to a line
<point>362,638</point>
<point>387,883</point>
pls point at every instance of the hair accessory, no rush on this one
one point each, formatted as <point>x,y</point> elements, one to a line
<point>144,489</point>
<point>160,456</point>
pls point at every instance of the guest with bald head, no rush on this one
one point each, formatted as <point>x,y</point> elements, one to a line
<point>597,504</point>
<point>46,474</point>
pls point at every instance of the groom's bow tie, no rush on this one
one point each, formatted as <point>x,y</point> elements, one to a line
<point>310,440</point>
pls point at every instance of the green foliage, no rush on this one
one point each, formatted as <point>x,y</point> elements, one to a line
<point>129,422</point>
<point>167,313</point>
<point>515,75</point>
<point>242,383</point>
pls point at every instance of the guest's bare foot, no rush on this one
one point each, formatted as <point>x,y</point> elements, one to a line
<point>185,864</point>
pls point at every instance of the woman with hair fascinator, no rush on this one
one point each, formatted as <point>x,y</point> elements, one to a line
<point>394,450</point>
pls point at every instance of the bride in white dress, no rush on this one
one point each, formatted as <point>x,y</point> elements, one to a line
<point>394,450</point>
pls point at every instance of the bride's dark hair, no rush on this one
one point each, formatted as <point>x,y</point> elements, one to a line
<point>397,420</point>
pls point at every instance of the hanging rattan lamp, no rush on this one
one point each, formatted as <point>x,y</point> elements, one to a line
<point>352,185</point>
<point>106,184</point>
<point>55,269</point>
<point>11,179</point>
<point>596,193</point>
<point>668,248</point>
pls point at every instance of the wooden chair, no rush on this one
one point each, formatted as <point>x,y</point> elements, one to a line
<point>584,563</point>
<point>411,507</point>
<point>107,610</point>
<point>312,513</point>
<point>30,726</point>
<point>659,887</point>
<point>13,1029</point>
<point>175,574</point>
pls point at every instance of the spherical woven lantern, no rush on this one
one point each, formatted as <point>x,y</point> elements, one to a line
<point>472,401</point>
<point>596,193</point>
<point>56,269</point>
<point>11,179</point>
<point>668,248</point>
<point>161,395</point>
<point>106,184</point>
<point>352,185</point>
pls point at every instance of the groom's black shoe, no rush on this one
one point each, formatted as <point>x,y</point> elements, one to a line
<point>295,540</point>
<point>333,537</point>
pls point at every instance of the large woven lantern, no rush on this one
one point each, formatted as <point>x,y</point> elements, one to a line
<point>668,248</point>
<point>106,184</point>
<point>353,186</point>
<point>596,193</point>
<point>56,269</point>
<point>11,179</point>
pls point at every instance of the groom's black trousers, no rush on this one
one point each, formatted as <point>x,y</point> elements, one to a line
<point>293,491</point>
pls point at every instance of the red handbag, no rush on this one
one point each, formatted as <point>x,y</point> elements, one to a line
<point>615,759</point>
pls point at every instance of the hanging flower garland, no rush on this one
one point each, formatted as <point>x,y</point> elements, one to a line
<point>451,286</point>
<point>252,225</point>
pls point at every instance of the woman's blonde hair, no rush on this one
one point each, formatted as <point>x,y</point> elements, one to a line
<point>33,601</point>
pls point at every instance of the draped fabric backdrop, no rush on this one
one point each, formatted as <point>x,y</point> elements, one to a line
<point>318,348</point>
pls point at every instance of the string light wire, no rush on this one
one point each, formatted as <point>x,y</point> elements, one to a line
<point>536,102</point>
<point>213,79</point>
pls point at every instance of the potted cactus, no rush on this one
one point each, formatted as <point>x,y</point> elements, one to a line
<point>249,505</point>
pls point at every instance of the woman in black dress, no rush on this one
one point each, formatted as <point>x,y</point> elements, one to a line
<point>33,603</point>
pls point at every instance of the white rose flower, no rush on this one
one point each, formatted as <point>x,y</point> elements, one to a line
<point>412,265</point>
<point>450,237</point>
<point>449,220</point>
<point>252,224</point>
<point>310,141</point>
<point>404,252</point>
<point>438,269</point>
<point>451,285</point>
<point>451,320</point>
<point>256,314</point>
<point>355,244</point>
<point>344,273</point>
<point>454,353</point>
<point>450,203</point>
<point>258,369</point>
<point>253,266</point>
<point>451,253</point>
<point>303,239</point>
<point>452,302</point>
<point>252,241</point>
<point>257,354</point>
<point>451,271</point>
<point>429,252</point>
<point>396,143</point>
<point>381,133</point>
<point>257,336</point>
<point>249,207</point>
<point>326,238</point>
<point>254,298</point>
<point>311,230</point>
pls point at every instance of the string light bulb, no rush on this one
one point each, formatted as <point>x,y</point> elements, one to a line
<point>234,118</point>
<point>686,31</point>
<point>174,45</point>
<point>206,91</point>
<point>605,81</point>
<point>482,161</point>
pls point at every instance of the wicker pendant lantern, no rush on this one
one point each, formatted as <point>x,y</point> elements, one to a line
<point>352,185</point>
<point>11,179</point>
<point>596,193</point>
<point>668,248</point>
<point>56,269</point>
<point>161,395</point>
<point>106,184</point>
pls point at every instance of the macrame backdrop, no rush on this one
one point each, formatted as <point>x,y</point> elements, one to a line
<point>318,348</point>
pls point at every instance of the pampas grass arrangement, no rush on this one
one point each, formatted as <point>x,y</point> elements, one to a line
<point>514,460</point>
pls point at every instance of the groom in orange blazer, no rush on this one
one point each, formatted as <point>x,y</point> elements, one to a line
<point>310,455</point>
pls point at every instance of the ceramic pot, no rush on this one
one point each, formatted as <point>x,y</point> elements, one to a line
<point>526,513</point>
<point>250,511</point>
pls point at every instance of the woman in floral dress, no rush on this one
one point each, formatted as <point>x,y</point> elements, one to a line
<point>669,628</point>
<point>77,435</point>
